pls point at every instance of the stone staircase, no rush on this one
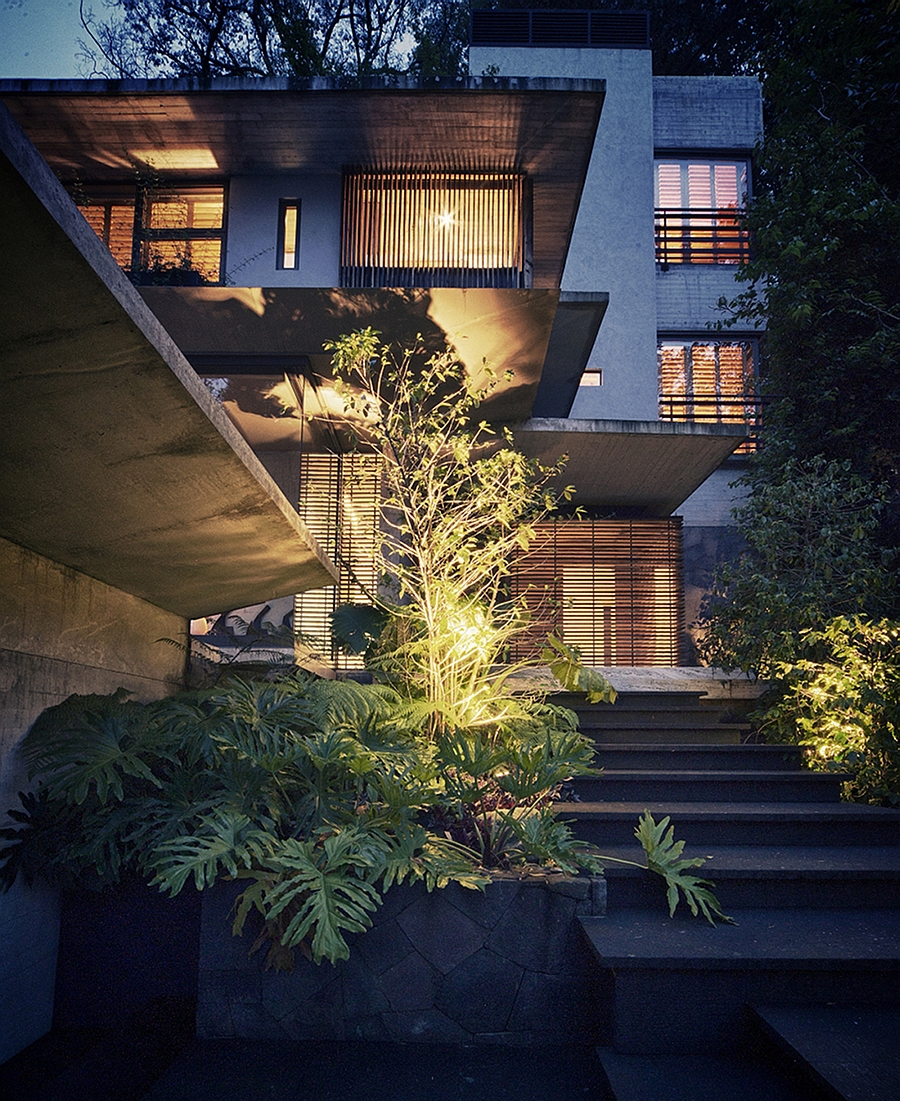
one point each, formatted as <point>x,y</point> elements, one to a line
<point>801,998</point>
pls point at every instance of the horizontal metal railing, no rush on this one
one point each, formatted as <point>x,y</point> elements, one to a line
<point>745,409</point>
<point>701,236</point>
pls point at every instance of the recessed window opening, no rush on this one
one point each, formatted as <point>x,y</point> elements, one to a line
<point>288,256</point>
<point>434,229</point>
<point>709,382</point>
<point>699,212</point>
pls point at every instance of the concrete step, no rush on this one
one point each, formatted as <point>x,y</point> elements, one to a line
<point>721,734</point>
<point>674,700</point>
<point>713,786</point>
<point>681,986</point>
<point>849,1052</point>
<point>682,757</point>
<point>749,876</point>
<point>698,1078</point>
<point>638,733</point>
<point>739,823</point>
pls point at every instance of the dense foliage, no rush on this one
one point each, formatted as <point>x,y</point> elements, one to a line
<point>317,795</point>
<point>842,699</point>
<point>826,227</point>
<point>812,553</point>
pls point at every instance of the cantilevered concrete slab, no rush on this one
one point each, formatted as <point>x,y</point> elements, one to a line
<point>114,460</point>
<point>236,329</point>
<point>648,468</point>
<point>97,130</point>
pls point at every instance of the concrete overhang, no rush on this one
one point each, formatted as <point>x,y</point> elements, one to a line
<point>98,130</point>
<point>114,459</point>
<point>644,468</point>
<point>542,336</point>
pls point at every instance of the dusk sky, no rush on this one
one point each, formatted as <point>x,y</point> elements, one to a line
<point>39,38</point>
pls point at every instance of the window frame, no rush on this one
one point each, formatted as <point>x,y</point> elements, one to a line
<point>139,200</point>
<point>284,205</point>
<point>718,402</point>
<point>691,233</point>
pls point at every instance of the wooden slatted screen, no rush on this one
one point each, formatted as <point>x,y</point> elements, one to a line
<point>613,588</point>
<point>339,502</point>
<point>433,229</point>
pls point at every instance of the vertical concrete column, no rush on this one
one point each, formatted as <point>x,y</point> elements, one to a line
<point>612,244</point>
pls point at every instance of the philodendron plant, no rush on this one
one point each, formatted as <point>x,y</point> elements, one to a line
<point>320,795</point>
<point>317,795</point>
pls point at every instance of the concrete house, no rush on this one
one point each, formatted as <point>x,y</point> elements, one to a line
<point>175,257</point>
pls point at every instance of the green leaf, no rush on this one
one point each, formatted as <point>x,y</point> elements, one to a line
<point>664,858</point>
<point>565,664</point>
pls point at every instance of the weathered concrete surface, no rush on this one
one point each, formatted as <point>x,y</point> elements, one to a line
<point>505,966</point>
<point>60,632</point>
<point>651,466</point>
<point>114,459</point>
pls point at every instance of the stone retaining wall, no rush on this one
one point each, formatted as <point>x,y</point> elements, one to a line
<point>510,965</point>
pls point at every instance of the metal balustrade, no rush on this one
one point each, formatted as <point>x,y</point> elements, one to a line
<point>701,236</point>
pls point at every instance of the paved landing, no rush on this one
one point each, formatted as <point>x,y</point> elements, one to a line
<point>229,1070</point>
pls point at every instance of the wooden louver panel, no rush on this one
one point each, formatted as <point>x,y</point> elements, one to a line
<point>433,229</point>
<point>612,588</point>
<point>340,503</point>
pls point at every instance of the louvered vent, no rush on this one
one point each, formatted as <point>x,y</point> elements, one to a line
<point>609,30</point>
<point>611,588</point>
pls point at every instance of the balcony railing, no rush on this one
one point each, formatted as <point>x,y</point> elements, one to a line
<point>701,236</point>
<point>736,409</point>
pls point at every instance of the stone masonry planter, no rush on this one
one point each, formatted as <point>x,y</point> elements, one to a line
<point>510,965</point>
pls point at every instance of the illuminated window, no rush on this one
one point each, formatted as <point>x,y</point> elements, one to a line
<point>165,235</point>
<point>592,376</point>
<point>288,256</point>
<point>182,234</point>
<point>433,229</point>
<point>699,216</point>
<point>110,214</point>
<point>711,382</point>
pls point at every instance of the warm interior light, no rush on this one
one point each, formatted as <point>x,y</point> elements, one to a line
<point>191,160</point>
<point>444,220</point>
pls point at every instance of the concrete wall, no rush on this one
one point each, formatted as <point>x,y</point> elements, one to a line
<point>612,244</point>
<point>253,231</point>
<point>706,112</point>
<point>60,632</point>
<point>709,538</point>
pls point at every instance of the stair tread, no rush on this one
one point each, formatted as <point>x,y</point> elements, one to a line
<point>771,774</point>
<point>761,939</point>
<point>852,1049</point>
<point>747,811</point>
<point>756,861</point>
<point>676,748</point>
<point>693,1078</point>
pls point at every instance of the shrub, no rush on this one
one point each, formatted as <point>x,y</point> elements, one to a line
<point>842,699</point>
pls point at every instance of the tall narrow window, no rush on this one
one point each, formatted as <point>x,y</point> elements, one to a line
<point>434,229</point>
<point>288,235</point>
<point>711,382</point>
<point>699,216</point>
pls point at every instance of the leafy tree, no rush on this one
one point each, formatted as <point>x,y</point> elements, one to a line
<point>246,38</point>
<point>826,226</point>
<point>812,554</point>
<point>842,699</point>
